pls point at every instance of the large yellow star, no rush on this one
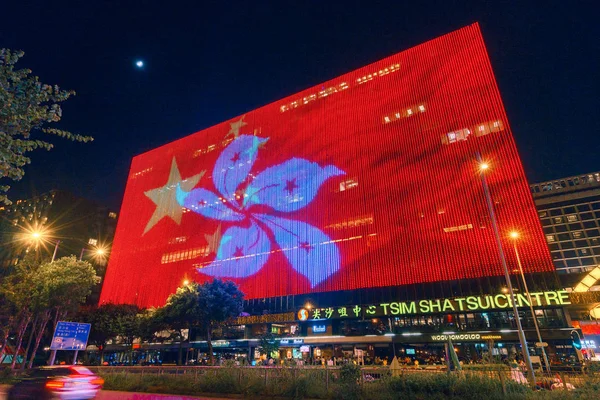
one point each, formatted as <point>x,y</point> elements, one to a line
<point>235,127</point>
<point>165,198</point>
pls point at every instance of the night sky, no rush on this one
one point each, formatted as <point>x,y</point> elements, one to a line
<point>206,62</point>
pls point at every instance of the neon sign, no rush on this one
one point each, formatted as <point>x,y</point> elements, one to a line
<point>439,306</point>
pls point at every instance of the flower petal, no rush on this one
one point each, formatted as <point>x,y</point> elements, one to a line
<point>289,186</point>
<point>242,252</point>
<point>309,251</point>
<point>234,164</point>
<point>206,203</point>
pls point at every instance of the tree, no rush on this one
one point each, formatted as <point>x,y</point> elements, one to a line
<point>181,312</point>
<point>268,344</point>
<point>219,301</point>
<point>22,299</point>
<point>65,283</point>
<point>108,321</point>
<point>27,106</point>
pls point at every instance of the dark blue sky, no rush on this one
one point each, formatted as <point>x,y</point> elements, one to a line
<point>207,61</point>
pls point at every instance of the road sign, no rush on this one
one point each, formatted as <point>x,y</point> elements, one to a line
<point>541,344</point>
<point>70,336</point>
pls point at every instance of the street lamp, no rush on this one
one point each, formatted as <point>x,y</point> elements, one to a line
<point>39,236</point>
<point>97,252</point>
<point>514,235</point>
<point>483,168</point>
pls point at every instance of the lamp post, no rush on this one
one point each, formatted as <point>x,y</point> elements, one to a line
<point>483,167</point>
<point>515,236</point>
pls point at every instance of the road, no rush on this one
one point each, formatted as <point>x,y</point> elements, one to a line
<point>110,395</point>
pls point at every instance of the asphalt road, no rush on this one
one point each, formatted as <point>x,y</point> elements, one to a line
<point>110,395</point>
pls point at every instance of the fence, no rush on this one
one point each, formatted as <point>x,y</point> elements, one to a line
<point>503,377</point>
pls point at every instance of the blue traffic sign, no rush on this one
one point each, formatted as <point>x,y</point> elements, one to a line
<point>70,336</point>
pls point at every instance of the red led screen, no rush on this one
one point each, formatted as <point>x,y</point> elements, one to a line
<point>367,180</point>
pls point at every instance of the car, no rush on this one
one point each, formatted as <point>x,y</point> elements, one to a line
<point>57,382</point>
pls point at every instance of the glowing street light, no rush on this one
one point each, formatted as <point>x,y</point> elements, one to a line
<point>98,252</point>
<point>514,235</point>
<point>38,236</point>
<point>186,282</point>
<point>483,166</point>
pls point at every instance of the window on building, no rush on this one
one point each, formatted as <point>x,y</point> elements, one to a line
<point>567,245</point>
<point>589,224</point>
<point>583,207</point>
<point>112,215</point>
<point>561,228</point>
<point>558,220</point>
<point>542,214</point>
<point>550,238</point>
<point>555,212</point>
<point>572,218</point>
<point>577,234</point>
<point>596,206</point>
<point>93,242</point>
<point>563,236</point>
<point>586,215</point>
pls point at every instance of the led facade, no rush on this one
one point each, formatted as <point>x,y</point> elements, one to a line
<point>367,180</point>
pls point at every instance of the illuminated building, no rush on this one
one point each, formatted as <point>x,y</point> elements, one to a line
<point>361,191</point>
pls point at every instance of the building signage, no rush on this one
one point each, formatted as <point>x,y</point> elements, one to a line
<point>464,336</point>
<point>319,328</point>
<point>291,341</point>
<point>438,306</point>
<point>266,318</point>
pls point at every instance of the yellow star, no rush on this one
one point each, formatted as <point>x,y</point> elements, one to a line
<point>214,240</point>
<point>165,198</point>
<point>235,127</point>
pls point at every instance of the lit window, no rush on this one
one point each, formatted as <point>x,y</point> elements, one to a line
<point>93,242</point>
<point>572,218</point>
<point>543,214</point>
<point>577,234</point>
<point>557,220</point>
<point>112,215</point>
<point>550,238</point>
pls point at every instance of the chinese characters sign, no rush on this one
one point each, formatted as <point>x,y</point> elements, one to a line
<point>70,336</point>
<point>438,306</point>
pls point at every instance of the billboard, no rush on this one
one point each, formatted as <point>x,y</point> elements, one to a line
<point>370,179</point>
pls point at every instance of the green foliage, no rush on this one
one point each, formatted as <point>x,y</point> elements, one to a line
<point>220,301</point>
<point>27,106</point>
<point>66,282</point>
<point>268,344</point>
<point>109,321</point>
<point>302,383</point>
